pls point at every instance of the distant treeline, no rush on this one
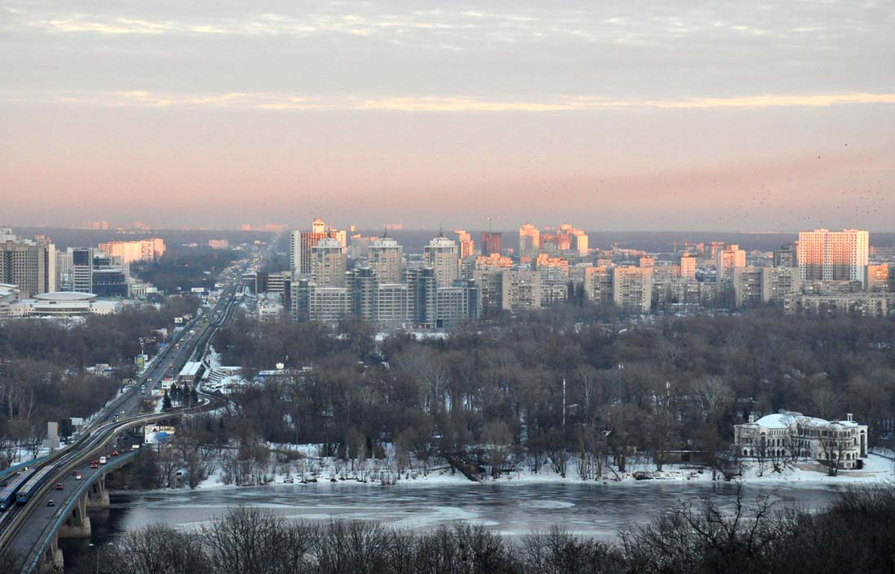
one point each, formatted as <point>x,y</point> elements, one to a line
<point>181,269</point>
<point>855,534</point>
<point>651,241</point>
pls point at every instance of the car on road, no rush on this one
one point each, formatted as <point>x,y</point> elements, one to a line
<point>94,465</point>
<point>78,476</point>
<point>51,503</point>
<point>102,460</point>
<point>114,453</point>
<point>60,486</point>
<point>75,473</point>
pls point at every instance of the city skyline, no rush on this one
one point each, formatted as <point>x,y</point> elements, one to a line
<point>633,118</point>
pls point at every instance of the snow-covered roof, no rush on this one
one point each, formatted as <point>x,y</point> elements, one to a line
<point>785,419</point>
<point>65,296</point>
<point>777,420</point>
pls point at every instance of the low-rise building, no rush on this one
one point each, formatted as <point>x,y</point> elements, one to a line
<point>63,304</point>
<point>794,436</point>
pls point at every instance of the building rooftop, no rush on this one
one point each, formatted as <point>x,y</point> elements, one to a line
<point>64,297</point>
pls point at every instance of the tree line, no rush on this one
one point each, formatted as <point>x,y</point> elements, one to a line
<point>539,392</point>
<point>43,366</point>
<point>182,268</point>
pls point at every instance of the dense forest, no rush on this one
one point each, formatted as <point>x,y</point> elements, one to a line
<point>534,390</point>
<point>854,534</point>
<point>43,364</point>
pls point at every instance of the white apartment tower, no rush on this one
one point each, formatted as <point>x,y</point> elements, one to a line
<point>441,255</point>
<point>386,260</point>
<point>833,255</point>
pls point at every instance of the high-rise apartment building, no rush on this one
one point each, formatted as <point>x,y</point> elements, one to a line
<point>755,285</point>
<point>393,304</point>
<point>128,252</point>
<point>386,260</point>
<point>688,267</point>
<point>786,256</point>
<point>491,242</point>
<point>746,283</point>
<point>328,263</point>
<point>329,304</point>
<point>422,285</point>
<point>778,283</point>
<point>580,242</point>
<point>301,244</point>
<point>529,240</point>
<point>554,272</point>
<point>29,265</point>
<point>877,278</point>
<point>598,284</point>
<point>441,255</point>
<point>833,255</point>
<point>363,290</point>
<point>456,304</point>
<point>466,244</point>
<point>565,239</point>
<point>520,289</point>
<point>632,289</point>
<point>727,259</point>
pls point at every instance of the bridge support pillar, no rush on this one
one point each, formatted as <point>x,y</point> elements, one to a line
<point>77,525</point>
<point>97,495</point>
<point>51,560</point>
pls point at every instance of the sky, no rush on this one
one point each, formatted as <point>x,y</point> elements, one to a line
<point>630,115</point>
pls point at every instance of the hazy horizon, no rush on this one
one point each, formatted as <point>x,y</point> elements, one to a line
<point>646,116</point>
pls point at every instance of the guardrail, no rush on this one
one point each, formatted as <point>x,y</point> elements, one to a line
<point>47,540</point>
<point>122,426</point>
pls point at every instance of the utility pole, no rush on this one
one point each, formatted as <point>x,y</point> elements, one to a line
<point>564,407</point>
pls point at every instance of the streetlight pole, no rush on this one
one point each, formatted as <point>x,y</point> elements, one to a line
<point>564,408</point>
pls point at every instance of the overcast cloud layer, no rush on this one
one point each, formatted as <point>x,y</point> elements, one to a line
<point>619,115</point>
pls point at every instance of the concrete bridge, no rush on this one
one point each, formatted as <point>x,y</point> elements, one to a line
<point>73,521</point>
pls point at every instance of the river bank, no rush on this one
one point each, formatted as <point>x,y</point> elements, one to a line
<point>329,471</point>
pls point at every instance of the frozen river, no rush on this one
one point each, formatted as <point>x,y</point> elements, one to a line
<point>584,508</point>
<point>513,509</point>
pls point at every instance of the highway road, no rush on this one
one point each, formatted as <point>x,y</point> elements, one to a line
<point>26,529</point>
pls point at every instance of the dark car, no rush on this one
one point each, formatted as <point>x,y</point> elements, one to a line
<point>51,503</point>
<point>60,486</point>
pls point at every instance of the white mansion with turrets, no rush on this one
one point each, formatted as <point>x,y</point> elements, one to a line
<point>792,435</point>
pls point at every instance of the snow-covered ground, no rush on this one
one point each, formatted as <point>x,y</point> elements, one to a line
<point>328,470</point>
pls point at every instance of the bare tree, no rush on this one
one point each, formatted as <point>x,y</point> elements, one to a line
<point>497,437</point>
<point>712,392</point>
